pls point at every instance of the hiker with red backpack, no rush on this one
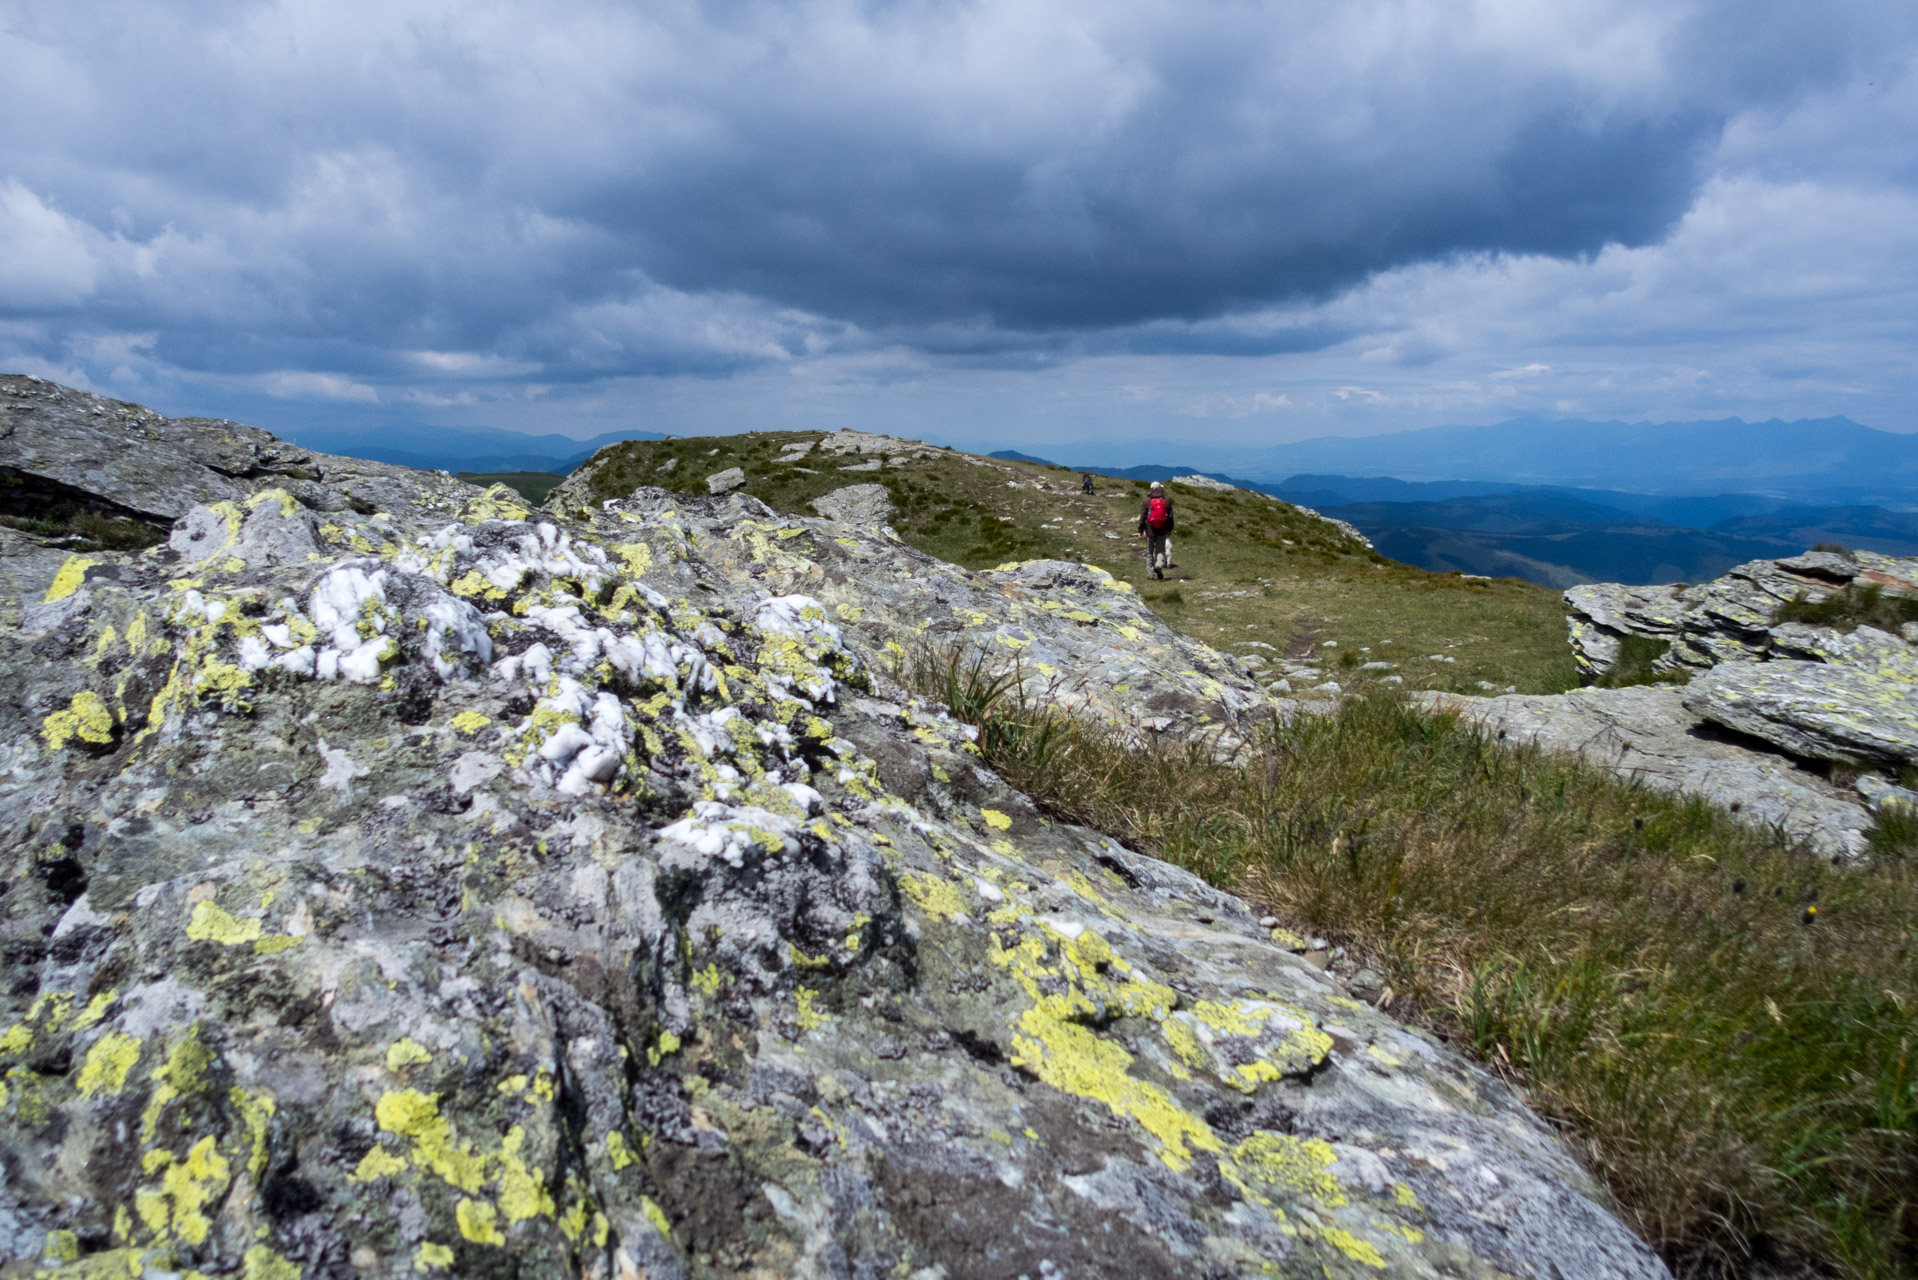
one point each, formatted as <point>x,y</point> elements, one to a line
<point>1155,526</point>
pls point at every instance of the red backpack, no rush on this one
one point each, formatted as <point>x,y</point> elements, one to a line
<point>1157,514</point>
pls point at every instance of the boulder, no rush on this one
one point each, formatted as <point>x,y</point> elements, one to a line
<point>861,504</point>
<point>579,893</point>
<point>725,481</point>
<point>1652,734</point>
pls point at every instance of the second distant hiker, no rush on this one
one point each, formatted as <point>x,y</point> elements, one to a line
<point>1155,526</point>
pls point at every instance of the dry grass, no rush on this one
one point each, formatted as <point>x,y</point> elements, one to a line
<point>1725,1023</point>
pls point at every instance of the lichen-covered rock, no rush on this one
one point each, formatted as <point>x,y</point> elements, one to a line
<point>491,893</point>
<point>1849,697</point>
<point>1728,619</point>
<point>864,504</point>
<point>58,444</point>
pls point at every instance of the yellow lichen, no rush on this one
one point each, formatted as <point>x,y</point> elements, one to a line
<point>85,718</point>
<point>377,1163</point>
<point>406,1052</point>
<point>430,1255</point>
<point>191,1184</point>
<point>522,1194</point>
<point>210,924</point>
<point>470,722</point>
<point>478,1221</point>
<point>273,944</point>
<point>636,556</point>
<point>937,897</point>
<point>256,1111</point>
<point>107,1064</point>
<point>261,1263</point>
<point>808,1017</point>
<point>68,580</point>
<point>1352,1247</point>
<point>96,1009</point>
<point>416,1115</point>
<point>1066,1055</point>
<point>617,1151</point>
<point>183,1072</point>
<point>996,820</point>
<point>656,1216</point>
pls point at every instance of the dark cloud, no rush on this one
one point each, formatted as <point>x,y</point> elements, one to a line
<point>579,188</point>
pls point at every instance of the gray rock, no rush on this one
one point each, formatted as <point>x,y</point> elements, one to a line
<point>1652,735</point>
<point>876,446</point>
<point>861,504</point>
<point>58,444</point>
<point>1851,698</point>
<point>1728,619</point>
<point>579,894</point>
<point>1881,793</point>
<point>723,482</point>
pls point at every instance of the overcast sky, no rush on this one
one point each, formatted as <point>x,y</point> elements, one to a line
<point>1002,223</point>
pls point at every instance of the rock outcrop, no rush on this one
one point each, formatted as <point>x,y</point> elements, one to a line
<point>861,504</point>
<point>403,881</point>
<point>1768,704</point>
<point>1729,619</point>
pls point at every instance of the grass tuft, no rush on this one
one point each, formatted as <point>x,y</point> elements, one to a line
<point>1636,654</point>
<point>80,528</point>
<point>1850,608</point>
<point>1726,1022</point>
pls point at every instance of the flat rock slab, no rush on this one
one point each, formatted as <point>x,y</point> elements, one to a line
<point>1650,735</point>
<point>860,504</point>
<point>1852,698</point>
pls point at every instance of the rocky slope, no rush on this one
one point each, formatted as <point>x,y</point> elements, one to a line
<point>405,882</point>
<point>1770,707</point>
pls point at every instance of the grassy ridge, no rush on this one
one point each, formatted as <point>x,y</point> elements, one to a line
<point>1725,1023</point>
<point>1253,576</point>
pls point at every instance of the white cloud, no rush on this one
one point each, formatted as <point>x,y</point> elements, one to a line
<point>301,385</point>
<point>49,260</point>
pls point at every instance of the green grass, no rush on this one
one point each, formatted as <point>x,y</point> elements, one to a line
<point>1724,1024</point>
<point>81,528</point>
<point>1850,608</point>
<point>530,485</point>
<point>1252,575</point>
<point>1636,654</point>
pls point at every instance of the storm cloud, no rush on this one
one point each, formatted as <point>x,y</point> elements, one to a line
<point>439,203</point>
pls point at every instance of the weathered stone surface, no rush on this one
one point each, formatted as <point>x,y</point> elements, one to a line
<point>1203,482</point>
<point>495,894</point>
<point>876,446</point>
<point>57,443</point>
<point>1728,619</point>
<point>863,504</point>
<point>726,481</point>
<point>1848,697</point>
<point>1652,735</point>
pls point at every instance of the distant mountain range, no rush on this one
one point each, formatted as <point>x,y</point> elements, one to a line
<point>430,448</point>
<point>1832,460</point>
